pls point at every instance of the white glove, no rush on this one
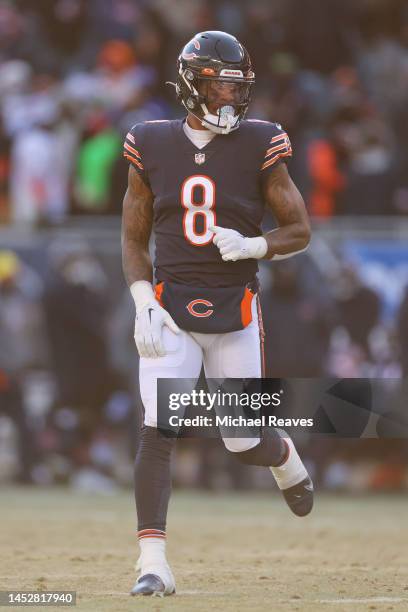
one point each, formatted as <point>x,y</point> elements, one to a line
<point>150,318</point>
<point>233,246</point>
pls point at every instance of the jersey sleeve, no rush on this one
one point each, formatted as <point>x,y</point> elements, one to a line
<point>278,149</point>
<point>133,149</point>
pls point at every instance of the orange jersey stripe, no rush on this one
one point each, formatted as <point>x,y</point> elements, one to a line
<point>278,137</point>
<point>281,147</point>
<point>132,150</point>
<point>276,157</point>
<point>133,160</point>
<point>158,291</point>
<point>246,307</point>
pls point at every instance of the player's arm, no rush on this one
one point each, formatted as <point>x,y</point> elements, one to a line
<point>291,237</point>
<point>284,200</point>
<point>137,222</point>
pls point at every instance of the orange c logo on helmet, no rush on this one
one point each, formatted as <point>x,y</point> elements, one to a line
<point>206,313</point>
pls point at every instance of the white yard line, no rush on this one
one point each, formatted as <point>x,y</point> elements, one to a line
<point>346,600</point>
<point>363,600</point>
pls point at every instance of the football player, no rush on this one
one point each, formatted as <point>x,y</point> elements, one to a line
<point>202,185</point>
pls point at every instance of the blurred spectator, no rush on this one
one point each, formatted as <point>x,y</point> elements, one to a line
<point>115,19</point>
<point>370,173</point>
<point>382,53</point>
<point>326,178</point>
<point>22,339</point>
<point>297,326</point>
<point>281,95</point>
<point>121,79</point>
<point>22,347</point>
<point>5,146</point>
<point>352,168</point>
<point>15,77</point>
<point>402,331</point>
<point>95,160</point>
<point>263,33</point>
<point>12,405</point>
<point>76,305</point>
<point>15,39</point>
<point>63,29</point>
<point>37,182</point>
<point>319,33</point>
<point>185,17</point>
<point>92,400</point>
<point>358,305</point>
<point>153,45</point>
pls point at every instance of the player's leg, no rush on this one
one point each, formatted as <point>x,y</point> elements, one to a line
<point>152,466</point>
<point>238,355</point>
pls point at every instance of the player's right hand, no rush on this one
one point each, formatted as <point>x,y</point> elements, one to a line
<point>148,329</point>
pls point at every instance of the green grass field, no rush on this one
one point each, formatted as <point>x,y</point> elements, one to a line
<point>228,552</point>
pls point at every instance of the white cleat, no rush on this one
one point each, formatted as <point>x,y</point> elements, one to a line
<point>155,580</point>
<point>294,481</point>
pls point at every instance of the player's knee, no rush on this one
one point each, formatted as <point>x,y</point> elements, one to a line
<point>270,451</point>
<point>254,456</point>
<point>239,445</point>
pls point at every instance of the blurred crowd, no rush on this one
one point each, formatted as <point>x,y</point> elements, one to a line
<point>69,404</point>
<point>75,75</point>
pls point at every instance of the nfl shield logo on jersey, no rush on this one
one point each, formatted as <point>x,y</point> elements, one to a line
<point>199,158</point>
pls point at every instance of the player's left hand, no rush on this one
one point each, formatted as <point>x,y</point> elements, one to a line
<point>233,246</point>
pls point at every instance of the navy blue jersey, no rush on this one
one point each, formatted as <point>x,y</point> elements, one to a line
<point>220,184</point>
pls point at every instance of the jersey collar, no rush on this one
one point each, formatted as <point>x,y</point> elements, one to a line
<point>190,146</point>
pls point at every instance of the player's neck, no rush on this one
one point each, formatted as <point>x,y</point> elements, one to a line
<point>195,123</point>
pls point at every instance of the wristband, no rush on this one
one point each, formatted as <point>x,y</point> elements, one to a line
<point>256,247</point>
<point>142,293</point>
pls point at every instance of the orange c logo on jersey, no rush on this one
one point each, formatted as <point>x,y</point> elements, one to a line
<point>206,313</point>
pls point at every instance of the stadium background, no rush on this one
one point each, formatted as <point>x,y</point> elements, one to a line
<point>74,76</point>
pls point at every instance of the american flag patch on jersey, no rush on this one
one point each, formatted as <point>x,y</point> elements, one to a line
<point>280,147</point>
<point>131,153</point>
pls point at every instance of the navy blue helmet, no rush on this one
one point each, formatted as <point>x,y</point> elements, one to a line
<point>214,80</point>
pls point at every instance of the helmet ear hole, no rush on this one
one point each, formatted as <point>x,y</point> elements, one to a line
<point>190,103</point>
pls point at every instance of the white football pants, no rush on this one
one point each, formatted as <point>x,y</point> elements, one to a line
<point>232,355</point>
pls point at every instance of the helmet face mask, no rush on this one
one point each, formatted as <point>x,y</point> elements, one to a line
<point>214,80</point>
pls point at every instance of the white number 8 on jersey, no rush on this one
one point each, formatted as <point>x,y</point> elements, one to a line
<point>204,208</point>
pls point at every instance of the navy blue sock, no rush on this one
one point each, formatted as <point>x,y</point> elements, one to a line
<point>152,479</point>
